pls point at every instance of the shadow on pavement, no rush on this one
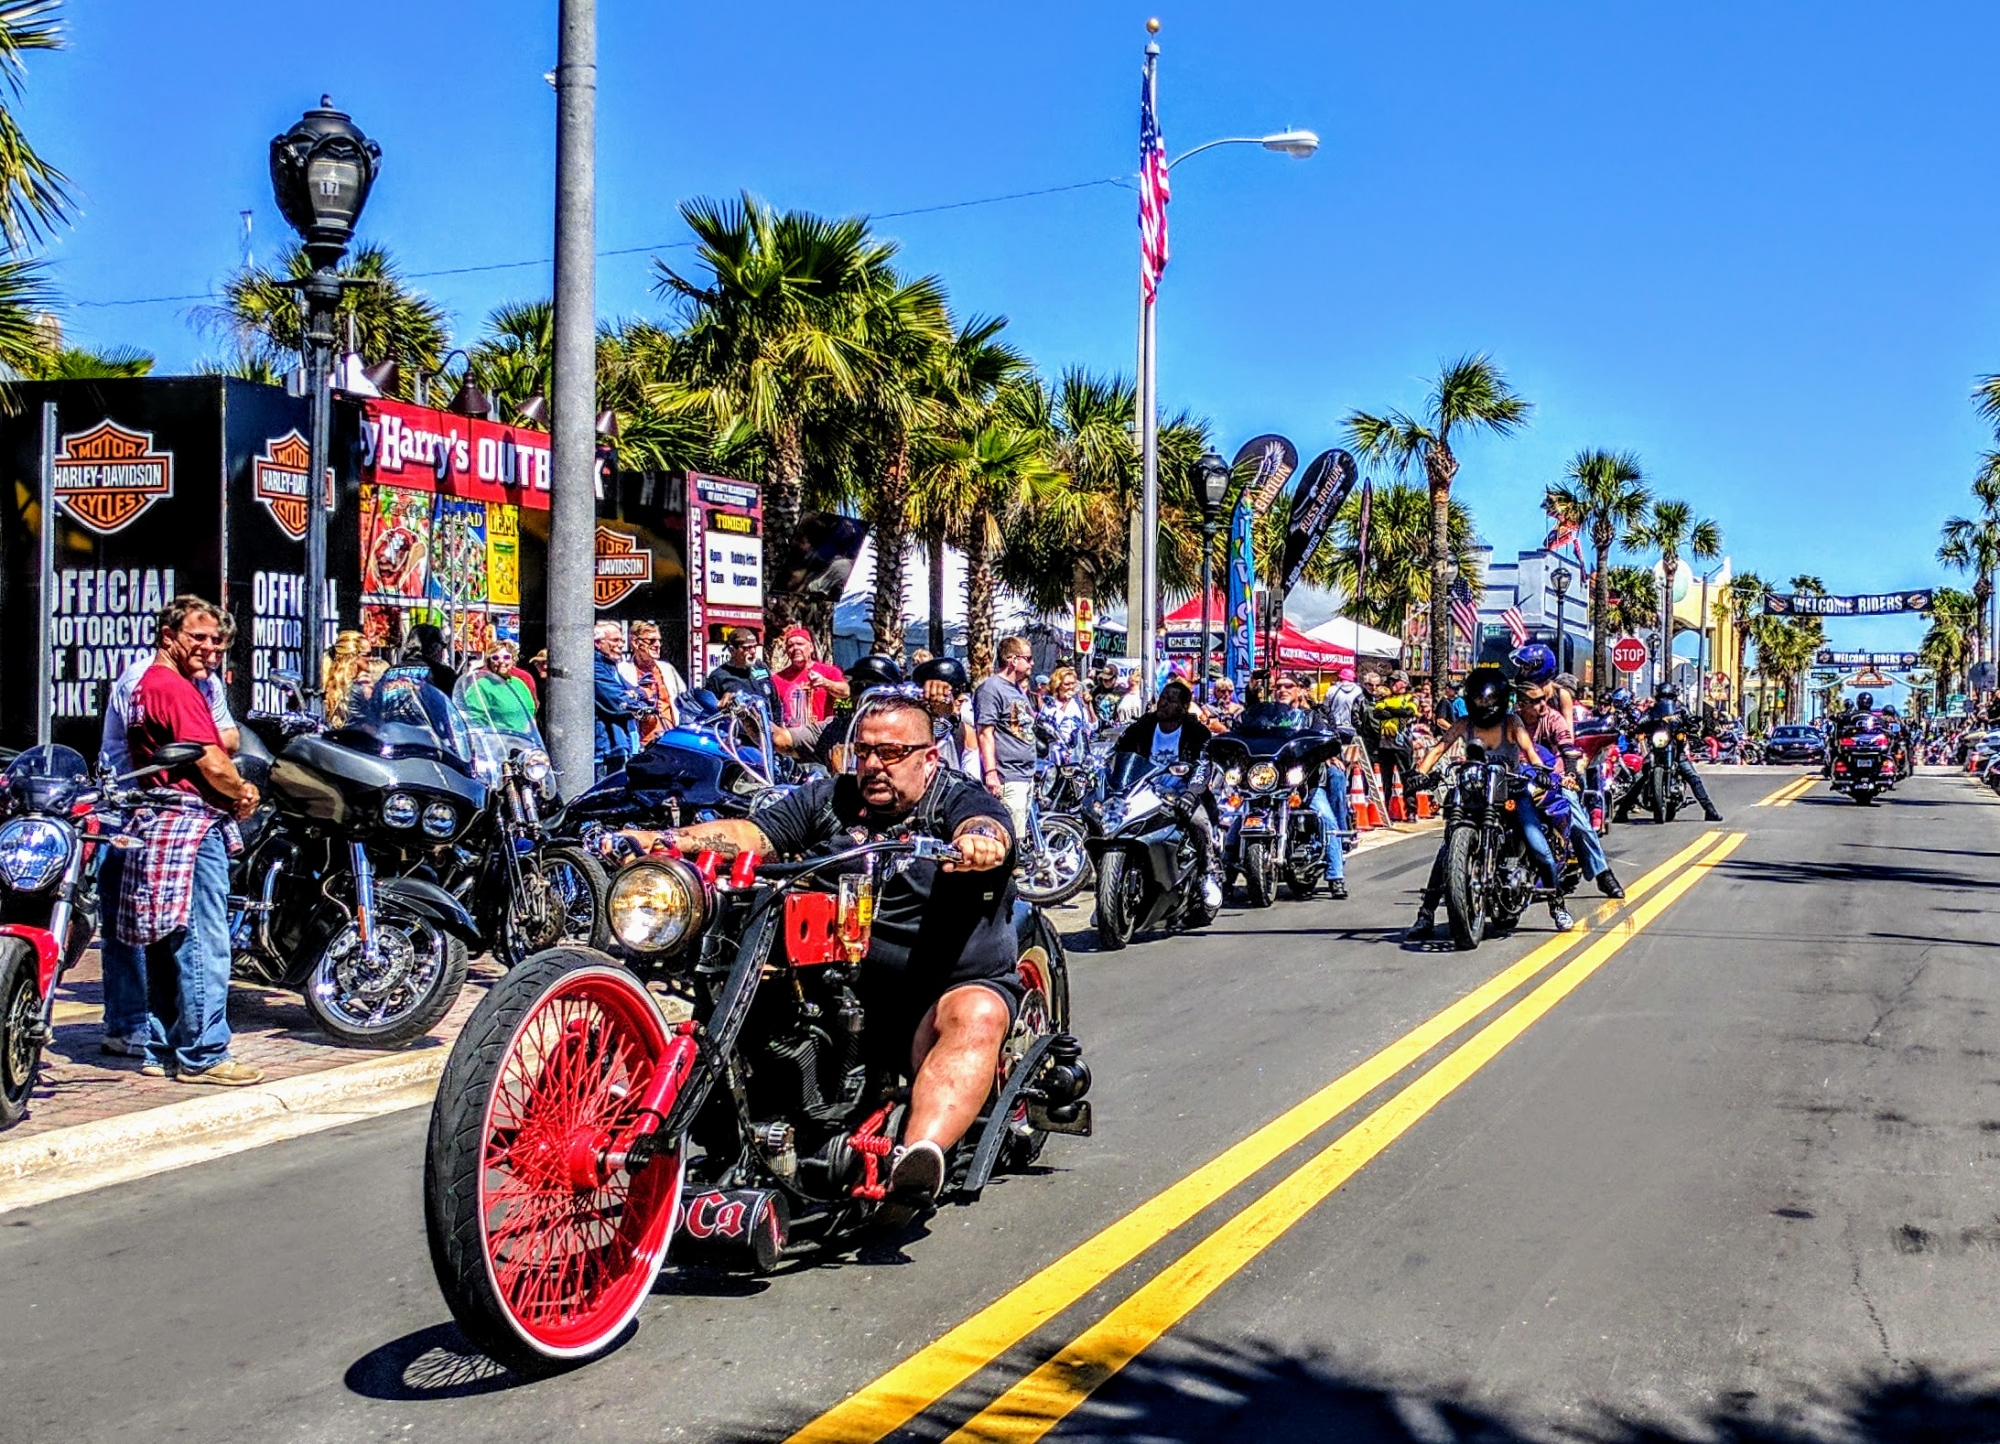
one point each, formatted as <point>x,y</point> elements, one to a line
<point>432,1364</point>
<point>1794,870</point>
<point>1245,1394</point>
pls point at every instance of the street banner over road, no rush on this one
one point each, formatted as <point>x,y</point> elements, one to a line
<point>1262,466</point>
<point>1322,490</point>
<point>1827,657</point>
<point>1801,604</point>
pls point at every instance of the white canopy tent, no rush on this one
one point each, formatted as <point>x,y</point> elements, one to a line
<point>1360,640</point>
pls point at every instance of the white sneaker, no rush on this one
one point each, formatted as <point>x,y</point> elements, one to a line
<point>1211,894</point>
<point>916,1172</point>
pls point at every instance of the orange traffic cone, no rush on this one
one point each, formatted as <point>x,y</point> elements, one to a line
<point>1357,800</point>
<point>1425,807</point>
<point>1397,812</point>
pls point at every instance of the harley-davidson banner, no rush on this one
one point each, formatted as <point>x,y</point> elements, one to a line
<point>1806,604</point>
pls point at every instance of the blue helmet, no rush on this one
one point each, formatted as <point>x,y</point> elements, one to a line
<point>1622,697</point>
<point>1534,663</point>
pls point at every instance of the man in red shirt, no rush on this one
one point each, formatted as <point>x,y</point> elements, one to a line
<point>175,902</point>
<point>807,687</point>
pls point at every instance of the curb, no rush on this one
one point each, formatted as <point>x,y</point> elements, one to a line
<point>84,1145</point>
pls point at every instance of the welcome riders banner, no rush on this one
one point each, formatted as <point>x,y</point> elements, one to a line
<point>1877,604</point>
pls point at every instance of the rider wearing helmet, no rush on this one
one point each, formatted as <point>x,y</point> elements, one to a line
<point>938,984</point>
<point>1666,712</point>
<point>1490,723</point>
<point>946,686</point>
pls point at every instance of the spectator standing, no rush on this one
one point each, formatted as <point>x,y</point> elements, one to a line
<point>657,680</point>
<point>1396,715</point>
<point>1068,716</point>
<point>1131,706</point>
<point>1004,716</point>
<point>425,648</point>
<point>807,687</point>
<point>618,703</point>
<point>174,898</point>
<point>741,671</point>
<point>1338,706</point>
<point>495,697</point>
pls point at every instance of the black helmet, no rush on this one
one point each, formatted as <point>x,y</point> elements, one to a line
<point>1485,694</point>
<point>1888,711</point>
<point>943,669</point>
<point>873,670</point>
<point>1666,692</point>
<point>1866,702</point>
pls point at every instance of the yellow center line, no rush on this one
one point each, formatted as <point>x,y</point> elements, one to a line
<point>1045,1397</point>
<point>912,1386</point>
<point>1797,787</point>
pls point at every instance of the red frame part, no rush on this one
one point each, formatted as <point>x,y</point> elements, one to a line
<point>48,955</point>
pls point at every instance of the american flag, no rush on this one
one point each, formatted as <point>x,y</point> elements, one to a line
<point>1153,192</point>
<point>1516,627</point>
<point>1463,612</point>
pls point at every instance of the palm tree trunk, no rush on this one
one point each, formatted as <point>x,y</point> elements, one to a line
<point>892,551</point>
<point>979,589</point>
<point>784,491</point>
<point>1665,664</point>
<point>937,554</point>
<point>1600,610</point>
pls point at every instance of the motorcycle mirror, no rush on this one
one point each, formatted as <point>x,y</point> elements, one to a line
<point>174,754</point>
<point>293,686</point>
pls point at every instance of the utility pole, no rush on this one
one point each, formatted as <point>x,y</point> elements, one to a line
<point>573,438</point>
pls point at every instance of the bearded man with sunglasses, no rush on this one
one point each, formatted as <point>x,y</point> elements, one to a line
<point>940,970</point>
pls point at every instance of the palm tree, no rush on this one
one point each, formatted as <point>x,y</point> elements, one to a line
<point>1632,600</point>
<point>1737,606</point>
<point>1470,394</point>
<point>1399,574</point>
<point>1972,544</point>
<point>1603,494</point>
<point>1947,645</point>
<point>1671,529</point>
<point>388,320</point>
<point>1085,425</point>
<point>776,336</point>
<point>80,363</point>
<point>514,358</point>
<point>34,195</point>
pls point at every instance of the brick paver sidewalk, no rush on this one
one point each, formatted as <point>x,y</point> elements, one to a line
<point>79,1084</point>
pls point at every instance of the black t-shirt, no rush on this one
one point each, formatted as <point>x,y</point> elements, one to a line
<point>727,678</point>
<point>938,928</point>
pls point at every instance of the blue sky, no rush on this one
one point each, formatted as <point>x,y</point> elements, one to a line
<point>1753,243</point>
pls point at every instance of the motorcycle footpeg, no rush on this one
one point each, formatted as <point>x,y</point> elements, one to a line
<point>735,1228</point>
<point>1070,1118</point>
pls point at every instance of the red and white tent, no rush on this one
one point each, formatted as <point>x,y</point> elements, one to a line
<point>1296,650</point>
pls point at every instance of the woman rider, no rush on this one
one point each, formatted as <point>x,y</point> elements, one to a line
<point>1490,723</point>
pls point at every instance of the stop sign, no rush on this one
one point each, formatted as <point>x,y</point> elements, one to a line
<point>1628,654</point>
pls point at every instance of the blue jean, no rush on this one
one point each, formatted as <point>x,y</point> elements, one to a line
<point>1537,840</point>
<point>1330,826</point>
<point>123,963</point>
<point>187,973</point>
<point>1336,792</point>
<point>1589,851</point>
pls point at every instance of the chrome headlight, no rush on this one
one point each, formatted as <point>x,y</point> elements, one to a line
<point>1263,776</point>
<point>535,766</point>
<point>33,853</point>
<point>399,809</point>
<point>1294,776</point>
<point>1662,737</point>
<point>656,906</point>
<point>440,820</point>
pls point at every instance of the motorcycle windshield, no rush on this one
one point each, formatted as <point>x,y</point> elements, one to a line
<point>1126,771</point>
<point>412,717</point>
<point>500,719</point>
<point>1272,719</point>
<point>46,778</point>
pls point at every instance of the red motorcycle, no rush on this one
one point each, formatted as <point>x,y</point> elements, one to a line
<point>58,821</point>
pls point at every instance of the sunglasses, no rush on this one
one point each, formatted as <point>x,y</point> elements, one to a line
<point>890,752</point>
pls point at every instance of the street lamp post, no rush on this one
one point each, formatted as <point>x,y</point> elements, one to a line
<point>1214,487</point>
<point>1701,640</point>
<point>321,172</point>
<point>1560,581</point>
<point>1143,577</point>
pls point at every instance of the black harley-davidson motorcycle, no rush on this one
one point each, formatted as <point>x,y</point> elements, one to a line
<point>1152,871</point>
<point>328,899</point>
<point>710,1084</point>
<point>1269,761</point>
<point>1863,762</point>
<point>1490,876</point>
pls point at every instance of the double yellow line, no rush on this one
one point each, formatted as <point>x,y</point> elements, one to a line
<point>1788,794</point>
<point>1041,1400</point>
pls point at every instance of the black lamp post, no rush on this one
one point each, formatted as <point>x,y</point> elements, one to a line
<point>1560,581</point>
<point>1214,487</point>
<point>321,171</point>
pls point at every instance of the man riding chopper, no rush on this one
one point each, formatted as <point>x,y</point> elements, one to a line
<point>941,958</point>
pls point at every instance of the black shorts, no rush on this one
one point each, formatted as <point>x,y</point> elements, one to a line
<point>895,1002</point>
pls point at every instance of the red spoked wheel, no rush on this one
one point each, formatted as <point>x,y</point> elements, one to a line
<point>545,1248</point>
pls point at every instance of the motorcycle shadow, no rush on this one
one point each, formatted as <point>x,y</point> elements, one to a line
<point>432,1364</point>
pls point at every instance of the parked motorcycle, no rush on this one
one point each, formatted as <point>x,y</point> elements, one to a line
<point>330,897</point>
<point>719,762</point>
<point>576,1129</point>
<point>58,823</point>
<point>1150,862</point>
<point>1268,760</point>
<point>1490,876</point>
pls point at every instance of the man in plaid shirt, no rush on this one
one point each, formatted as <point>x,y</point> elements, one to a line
<point>175,901</point>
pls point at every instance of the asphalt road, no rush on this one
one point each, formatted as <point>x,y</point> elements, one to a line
<point>1727,1170</point>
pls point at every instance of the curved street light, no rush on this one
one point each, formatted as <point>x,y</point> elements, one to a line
<point>1298,144</point>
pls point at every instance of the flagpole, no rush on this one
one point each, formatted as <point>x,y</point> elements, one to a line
<point>1149,448</point>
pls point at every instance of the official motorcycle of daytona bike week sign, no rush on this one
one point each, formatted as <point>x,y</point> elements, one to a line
<point>108,475</point>
<point>1874,604</point>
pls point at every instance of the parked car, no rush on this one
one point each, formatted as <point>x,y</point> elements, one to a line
<point>1795,744</point>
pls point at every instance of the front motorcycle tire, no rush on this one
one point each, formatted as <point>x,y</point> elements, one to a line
<point>543,1270</point>
<point>1659,797</point>
<point>578,886</point>
<point>1260,874</point>
<point>419,971</point>
<point>20,1016</point>
<point>1063,868</point>
<point>1120,891</point>
<point>1464,889</point>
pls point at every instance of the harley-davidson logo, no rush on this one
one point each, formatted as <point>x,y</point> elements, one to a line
<point>108,475</point>
<point>279,480</point>
<point>622,566</point>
